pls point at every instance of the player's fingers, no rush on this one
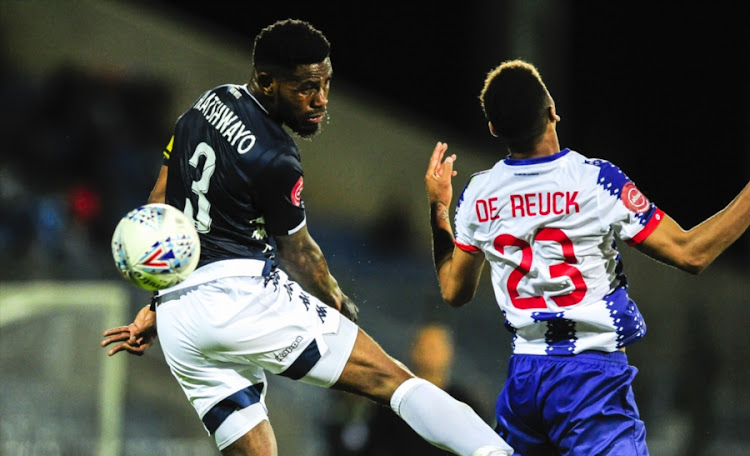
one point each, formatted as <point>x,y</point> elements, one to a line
<point>117,348</point>
<point>136,340</point>
<point>113,331</point>
<point>119,337</point>
<point>438,151</point>
<point>447,166</point>
<point>137,350</point>
<point>436,158</point>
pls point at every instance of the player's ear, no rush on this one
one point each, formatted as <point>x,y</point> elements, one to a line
<point>266,83</point>
<point>492,129</point>
<point>553,114</point>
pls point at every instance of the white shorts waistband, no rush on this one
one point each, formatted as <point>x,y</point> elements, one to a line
<point>237,267</point>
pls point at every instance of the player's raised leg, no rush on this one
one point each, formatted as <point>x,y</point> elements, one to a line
<point>432,413</point>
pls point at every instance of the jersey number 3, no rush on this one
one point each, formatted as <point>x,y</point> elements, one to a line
<point>200,187</point>
<point>565,268</point>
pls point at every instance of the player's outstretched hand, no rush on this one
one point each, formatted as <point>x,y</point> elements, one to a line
<point>437,179</point>
<point>134,338</point>
<point>349,309</point>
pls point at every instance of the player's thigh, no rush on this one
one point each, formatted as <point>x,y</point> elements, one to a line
<point>513,424</point>
<point>259,441</point>
<point>371,372</point>
<point>605,419</point>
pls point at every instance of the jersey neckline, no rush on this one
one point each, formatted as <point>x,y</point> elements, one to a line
<point>536,160</point>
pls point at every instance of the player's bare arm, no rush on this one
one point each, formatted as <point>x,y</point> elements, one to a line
<point>442,234</point>
<point>440,193</point>
<point>695,249</point>
<point>304,261</point>
<point>459,277</point>
<point>458,272</point>
<point>159,192</point>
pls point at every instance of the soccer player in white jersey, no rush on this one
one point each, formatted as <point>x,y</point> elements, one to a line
<point>262,298</point>
<point>548,221</point>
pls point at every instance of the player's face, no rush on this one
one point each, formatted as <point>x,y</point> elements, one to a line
<point>302,98</point>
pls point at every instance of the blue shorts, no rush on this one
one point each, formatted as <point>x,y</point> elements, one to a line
<point>581,405</point>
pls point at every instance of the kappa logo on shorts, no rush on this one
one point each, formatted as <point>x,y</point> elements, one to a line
<point>322,313</point>
<point>273,278</point>
<point>288,350</point>
<point>321,310</point>
<point>289,290</point>
<point>305,300</point>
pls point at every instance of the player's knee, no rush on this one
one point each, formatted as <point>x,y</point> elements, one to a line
<point>377,382</point>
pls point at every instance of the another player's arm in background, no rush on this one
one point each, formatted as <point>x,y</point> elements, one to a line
<point>458,272</point>
<point>304,261</point>
<point>695,249</point>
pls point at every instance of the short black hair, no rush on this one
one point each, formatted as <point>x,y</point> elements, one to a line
<point>288,43</point>
<point>515,100</point>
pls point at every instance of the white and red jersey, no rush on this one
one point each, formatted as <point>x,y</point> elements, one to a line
<point>548,228</point>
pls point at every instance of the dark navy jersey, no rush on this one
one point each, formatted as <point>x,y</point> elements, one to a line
<point>236,173</point>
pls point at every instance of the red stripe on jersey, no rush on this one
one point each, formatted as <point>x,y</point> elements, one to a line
<point>649,228</point>
<point>466,247</point>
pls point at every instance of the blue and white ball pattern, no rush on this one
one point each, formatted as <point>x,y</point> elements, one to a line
<point>155,246</point>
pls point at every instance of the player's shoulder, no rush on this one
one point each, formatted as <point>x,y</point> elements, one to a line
<point>606,169</point>
<point>590,161</point>
<point>272,159</point>
<point>473,186</point>
<point>478,175</point>
<point>602,168</point>
<point>224,94</point>
<point>477,178</point>
<point>211,101</point>
<point>236,90</point>
<point>215,91</point>
<point>605,176</point>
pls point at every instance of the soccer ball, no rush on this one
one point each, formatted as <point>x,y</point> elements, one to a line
<point>155,246</point>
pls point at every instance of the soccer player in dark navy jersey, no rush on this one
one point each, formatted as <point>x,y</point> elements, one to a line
<point>252,171</point>
<point>262,298</point>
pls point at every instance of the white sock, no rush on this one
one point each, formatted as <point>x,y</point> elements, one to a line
<point>442,420</point>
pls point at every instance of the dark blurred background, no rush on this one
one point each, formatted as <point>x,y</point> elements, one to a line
<point>91,90</point>
<point>660,88</point>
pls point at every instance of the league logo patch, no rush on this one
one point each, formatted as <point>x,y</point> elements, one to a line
<point>634,199</point>
<point>297,193</point>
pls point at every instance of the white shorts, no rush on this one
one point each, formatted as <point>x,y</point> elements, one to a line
<point>222,328</point>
